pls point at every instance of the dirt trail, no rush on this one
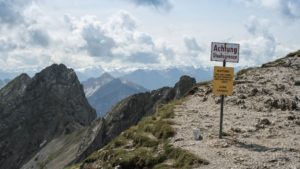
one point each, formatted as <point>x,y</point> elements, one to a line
<point>259,133</point>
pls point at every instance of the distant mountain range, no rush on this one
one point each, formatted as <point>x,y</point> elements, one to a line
<point>149,79</point>
<point>105,91</point>
<point>153,79</point>
<point>90,72</point>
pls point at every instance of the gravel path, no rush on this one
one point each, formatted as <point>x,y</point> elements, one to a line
<point>258,135</point>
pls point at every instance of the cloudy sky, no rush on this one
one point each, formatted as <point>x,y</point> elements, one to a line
<point>154,34</point>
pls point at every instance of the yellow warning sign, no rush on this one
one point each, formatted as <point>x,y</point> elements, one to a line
<point>223,80</point>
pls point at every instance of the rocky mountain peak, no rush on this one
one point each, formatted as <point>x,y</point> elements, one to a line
<point>105,91</point>
<point>61,85</point>
<point>107,76</point>
<point>35,111</point>
<point>93,84</point>
<point>15,88</point>
<point>56,74</point>
<point>23,77</point>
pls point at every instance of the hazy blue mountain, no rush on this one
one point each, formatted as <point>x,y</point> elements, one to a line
<point>93,84</point>
<point>89,72</point>
<point>153,79</point>
<point>105,91</point>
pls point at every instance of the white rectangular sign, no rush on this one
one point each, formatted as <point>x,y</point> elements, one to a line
<point>225,51</point>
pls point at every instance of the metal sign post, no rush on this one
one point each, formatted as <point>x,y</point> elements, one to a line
<point>223,86</point>
<point>223,76</point>
<point>222,108</point>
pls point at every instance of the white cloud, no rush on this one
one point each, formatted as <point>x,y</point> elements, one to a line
<point>11,11</point>
<point>97,42</point>
<point>117,38</point>
<point>118,42</point>
<point>28,44</point>
<point>290,8</point>
<point>80,42</point>
<point>122,21</point>
<point>7,45</point>
<point>132,45</point>
<point>158,4</point>
<point>287,8</point>
<point>38,37</point>
<point>262,46</point>
<point>257,50</point>
<point>257,26</point>
<point>192,45</point>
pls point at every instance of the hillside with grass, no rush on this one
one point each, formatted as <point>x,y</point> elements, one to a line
<point>261,127</point>
<point>145,145</point>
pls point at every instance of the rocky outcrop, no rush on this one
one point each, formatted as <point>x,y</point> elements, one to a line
<point>131,110</point>
<point>291,60</point>
<point>35,111</point>
<point>183,86</point>
<point>271,86</point>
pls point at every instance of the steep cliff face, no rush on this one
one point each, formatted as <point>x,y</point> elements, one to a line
<point>34,111</point>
